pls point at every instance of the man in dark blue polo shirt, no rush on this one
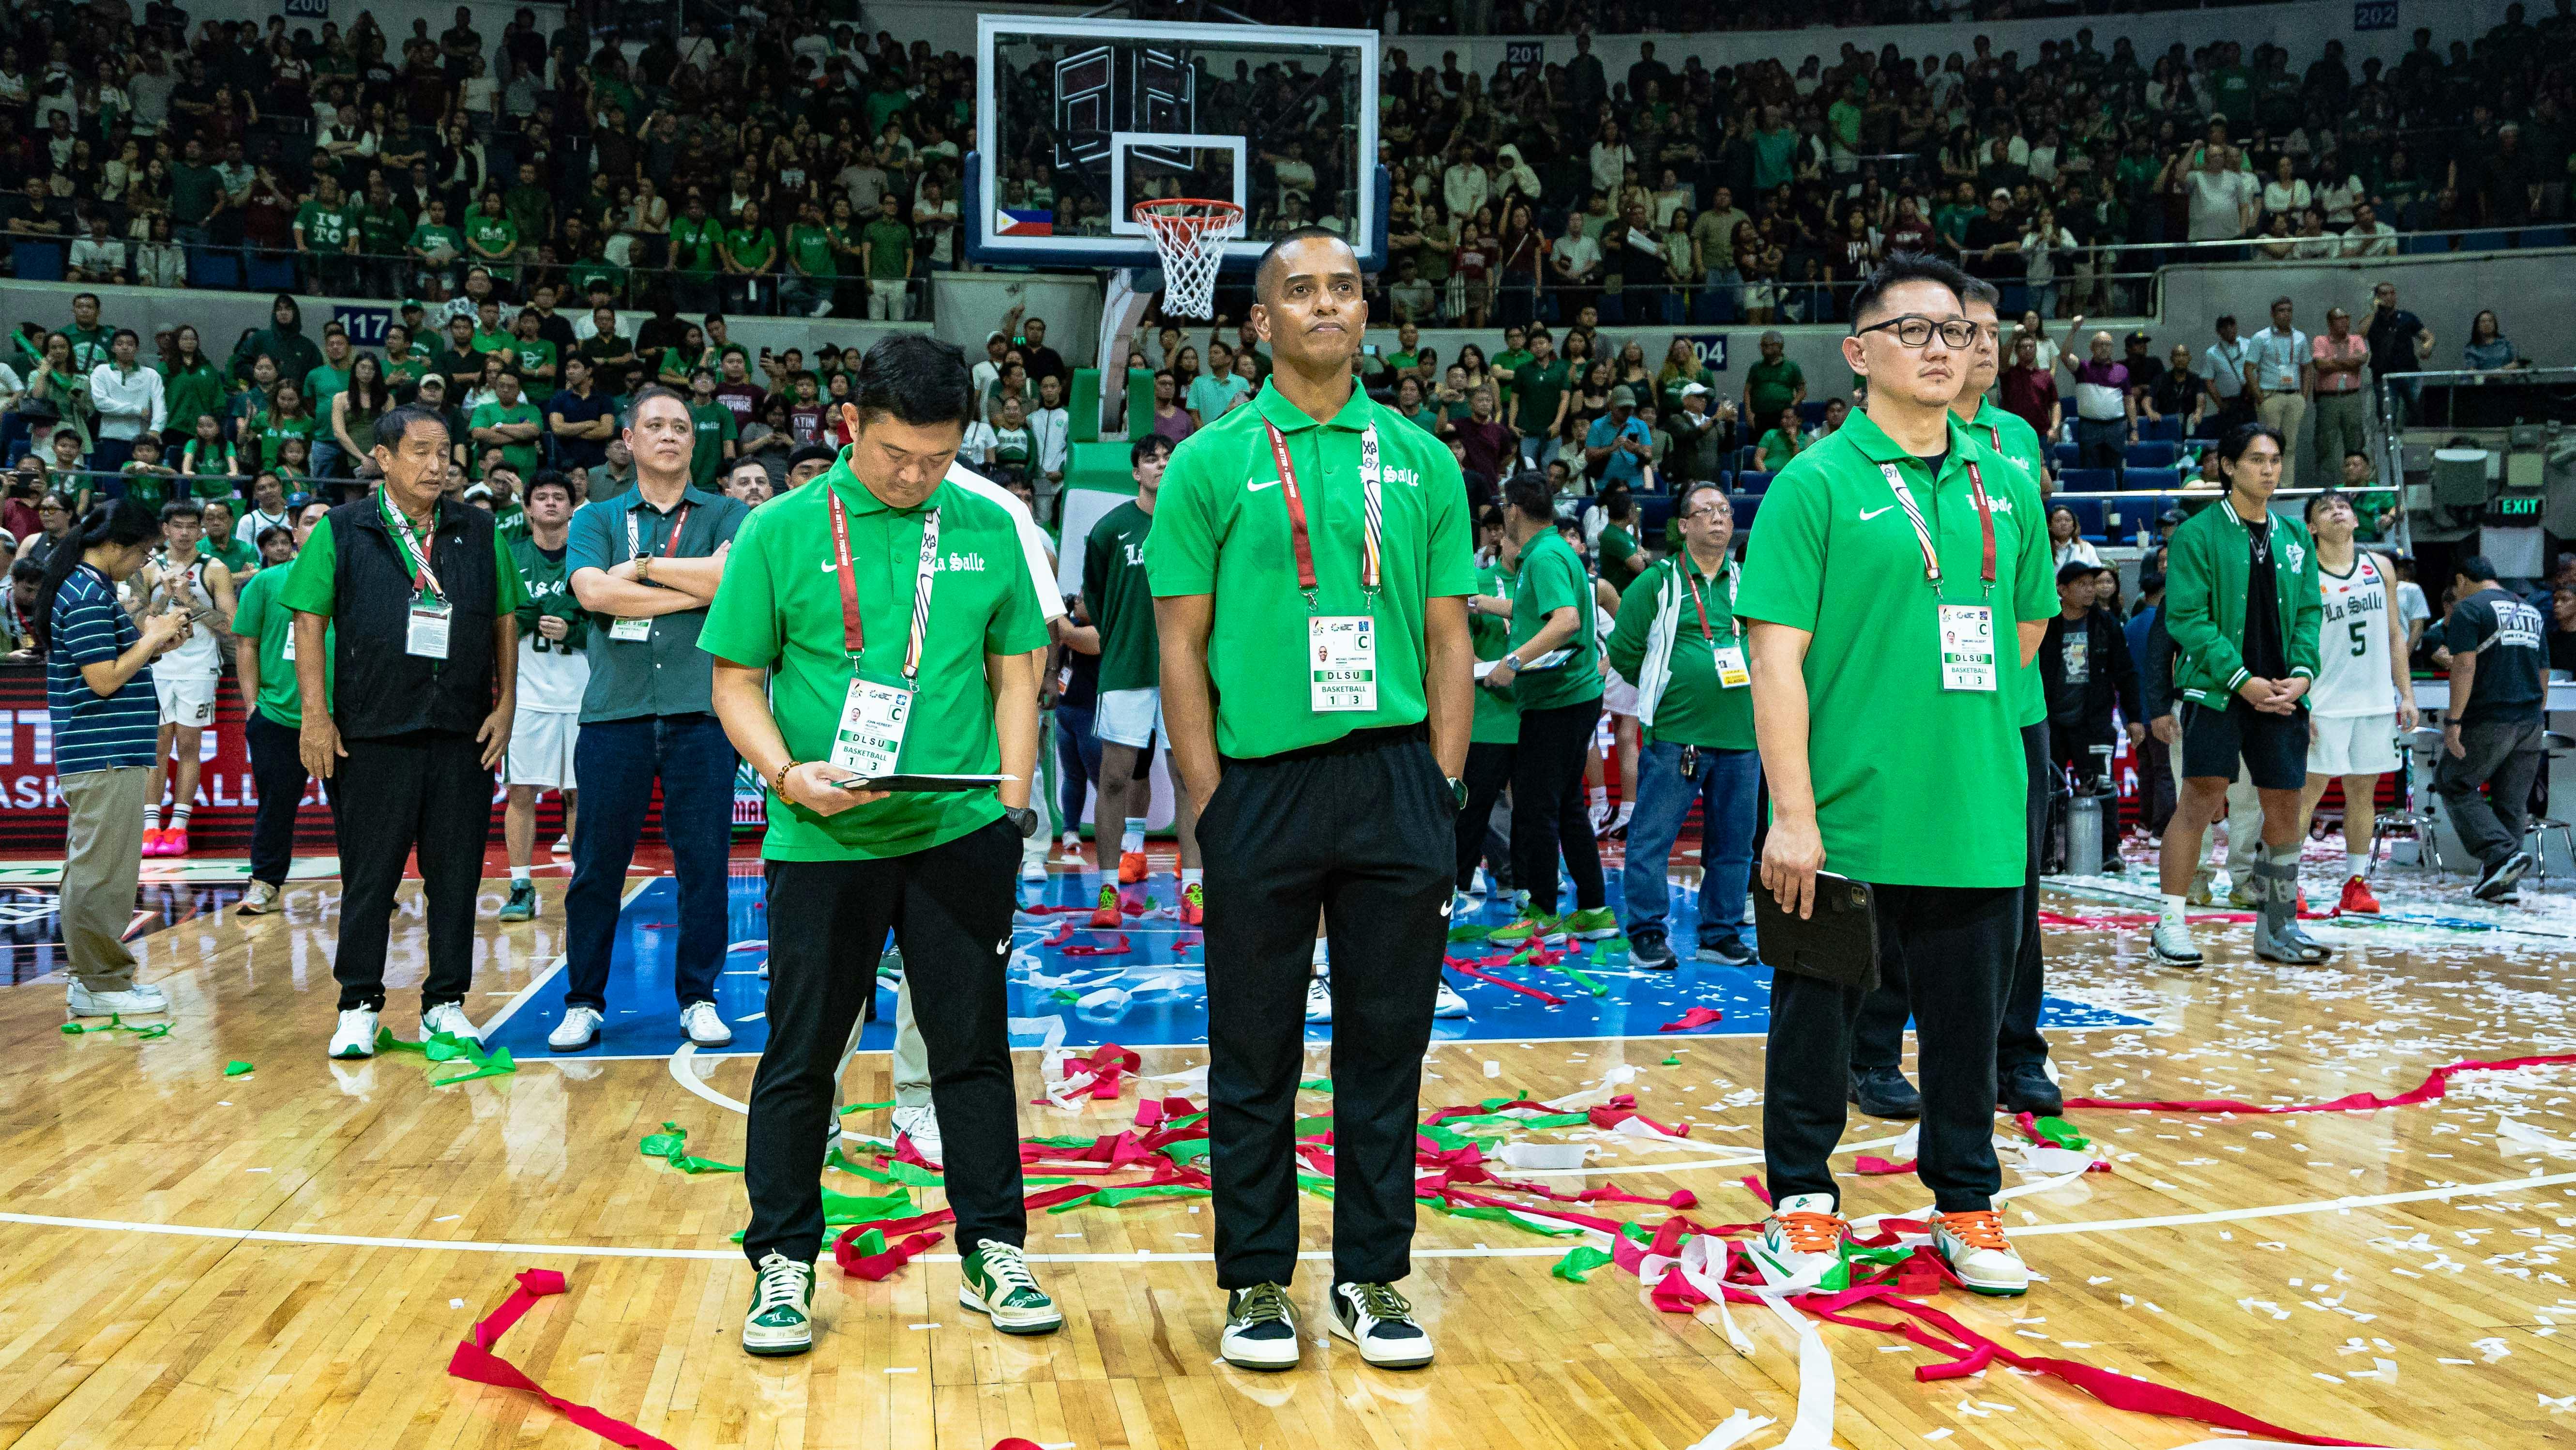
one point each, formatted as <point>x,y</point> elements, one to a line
<point>580,418</point>
<point>646,563</point>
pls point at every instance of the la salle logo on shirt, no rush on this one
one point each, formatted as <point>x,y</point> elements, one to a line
<point>1405,476</point>
<point>959,563</point>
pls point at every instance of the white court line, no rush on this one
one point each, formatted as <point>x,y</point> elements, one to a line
<point>613,1251</point>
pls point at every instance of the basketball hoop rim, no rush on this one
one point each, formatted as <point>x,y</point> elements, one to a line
<point>1163,210</point>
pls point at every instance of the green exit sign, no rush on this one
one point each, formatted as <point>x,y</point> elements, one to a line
<point>2516,506</point>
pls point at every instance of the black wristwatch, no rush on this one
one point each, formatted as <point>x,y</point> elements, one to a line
<point>1023,819</point>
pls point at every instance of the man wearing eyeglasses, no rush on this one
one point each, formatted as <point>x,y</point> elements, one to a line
<point>1898,587</point>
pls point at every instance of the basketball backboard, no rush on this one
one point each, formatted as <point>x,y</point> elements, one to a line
<point>1079,120</point>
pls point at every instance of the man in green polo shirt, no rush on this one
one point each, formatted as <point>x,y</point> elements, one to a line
<point>1773,383</point>
<point>713,427</point>
<point>1538,399</point>
<point>1553,670</point>
<point>1496,731</point>
<point>1893,601</point>
<point>264,654</point>
<point>879,624</point>
<point>1878,1085</point>
<point>1678,637</point>
<point>510,423</point>
<point>1310,567</point>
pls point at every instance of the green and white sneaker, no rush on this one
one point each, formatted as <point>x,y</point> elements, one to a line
<point>1260,1328</point>
<point>1598,924</point>
<point>1380,1322</point>
<point>781,1320</point>
<point>997,1284</point>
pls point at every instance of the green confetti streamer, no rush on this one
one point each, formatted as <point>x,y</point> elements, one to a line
<point>2061,1132</point>
<point>671,1145</point>
<point>1673,1061</point>
<point>1120,1197</point>
<point>237,1069</point>
<point>850,1108</point>
<point>1579,1262</point>
<point>117,1023</point>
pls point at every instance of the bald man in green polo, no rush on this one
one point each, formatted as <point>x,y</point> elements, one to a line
<point>1310,562</point>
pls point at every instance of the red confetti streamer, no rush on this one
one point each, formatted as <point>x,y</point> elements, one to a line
<point>1873,1166</point>
<point>1468,969</point>
<point>2429,1090</point>
<point>475,1361</point>
<point>1695,1017</point>
<point>873,1267</point>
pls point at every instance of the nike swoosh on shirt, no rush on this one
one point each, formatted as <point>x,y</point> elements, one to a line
<point>1865,514</point>
<point>831,567</point>
<point>1258,487</point>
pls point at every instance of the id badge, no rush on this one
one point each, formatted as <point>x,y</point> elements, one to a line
<point>1731,671</point>
<point>869,740</point>
<point>1342,650</point>
<point>633,631</point>
<point>427,635</point>
<point>286,651</point>
<point>1967,647</point>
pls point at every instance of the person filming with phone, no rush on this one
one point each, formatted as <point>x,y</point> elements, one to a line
<point>1896,592</point>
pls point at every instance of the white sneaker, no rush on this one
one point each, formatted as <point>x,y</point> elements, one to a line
<point>1974,1246</point>
<point>1260,1328</point>
<point>705,1025</point>
<point>1448,1003</point>
<point>781,1319</point>
<point>1319,997</point>
<point>921,1125</point>
<point>450,1018</point>
<point>1479,886</point>
<point>578,1029</point>
<point>355,1037</point>
<point>137,999</point>
<point>1599,816</point>
<point>1380,1322</point>
<point>1802,1242</point>
<point>1033,868</point>
<point>259,900</point>
<point>1619,822</point>
<point>563,846</point>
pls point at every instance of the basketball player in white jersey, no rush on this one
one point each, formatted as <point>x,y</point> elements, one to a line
<point>2362,697</point>
<point>181,573</point>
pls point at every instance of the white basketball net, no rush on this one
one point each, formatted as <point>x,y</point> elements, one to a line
<point>1190,234</point>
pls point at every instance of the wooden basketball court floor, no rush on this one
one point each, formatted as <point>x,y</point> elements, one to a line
<point>288,1257</point>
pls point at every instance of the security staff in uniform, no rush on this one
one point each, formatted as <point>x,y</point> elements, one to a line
<point>1895,599</point>
<point>1878,1085</point>
<point>646,564</point>
<point>1311,559</point>
<point>880,622</point>
<point>406,598</point>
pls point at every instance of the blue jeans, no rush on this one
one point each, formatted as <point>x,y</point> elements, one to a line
<point>1077,758</point>
<point>1724,788</point>
<point>615,763</point>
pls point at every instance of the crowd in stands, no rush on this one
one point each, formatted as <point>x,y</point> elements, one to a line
<point>796,164</point>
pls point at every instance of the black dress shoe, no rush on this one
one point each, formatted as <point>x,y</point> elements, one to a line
<point>1883,1092</point>
<point>2026,1089</point>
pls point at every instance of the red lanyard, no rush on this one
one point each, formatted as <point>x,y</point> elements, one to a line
<point>1923,531</point>
<point>670,547</point>
<point>1996,434</point>
<point>413,551</point>
<point>1705,633</point>
<point>1296,500</point>
<point>854,638</point>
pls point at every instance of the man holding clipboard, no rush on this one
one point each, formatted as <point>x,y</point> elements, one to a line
<point>855,621</point>
<point>1896,596</point>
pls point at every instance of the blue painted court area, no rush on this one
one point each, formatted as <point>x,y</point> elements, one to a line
<point>1155,993</point>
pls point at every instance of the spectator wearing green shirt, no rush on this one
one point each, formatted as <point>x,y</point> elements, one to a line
<point>383,229</point>
<point>750,257</point>
<point>716,429</point>
<point>531,210</point>
<point>1539,389</point>
<point>206,454</point>
<point>491,237</point>
<point>1780,442</point>
<point>435,245</point>
<point>191,382</point>
<point>489,333</point>
<point>805,287</point>
<point>326,238</point>
<point>407,636</point>
<point>885,254</point>
<point>322,385</point>
<point>264,655</point>
<point>848,863</point>
<point>532,356</point>
<point>288,416</point>
<point>697,245</point>
<point>1773,383</point>
<point>510,423</point>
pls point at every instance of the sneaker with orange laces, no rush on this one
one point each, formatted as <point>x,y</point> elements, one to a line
<point>1131,867</point>
<point>1802,1244</point>
<point>1108,917</point>
<point>1193,904</point>
<point>1974,1246</point>
<point>2357,897</point>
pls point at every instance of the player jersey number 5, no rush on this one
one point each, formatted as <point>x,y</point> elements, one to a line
<point>2353,676</point>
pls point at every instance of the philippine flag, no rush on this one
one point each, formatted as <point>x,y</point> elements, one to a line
<point>1008,223</point>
